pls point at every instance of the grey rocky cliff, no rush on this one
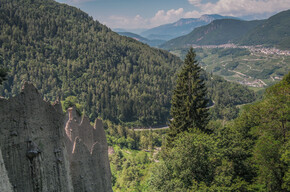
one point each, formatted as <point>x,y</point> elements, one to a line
<point>87,145</point>
<point>38,153</point>
<point>4,181</point>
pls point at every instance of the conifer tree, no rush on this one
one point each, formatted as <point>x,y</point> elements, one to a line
<point>189,103</point>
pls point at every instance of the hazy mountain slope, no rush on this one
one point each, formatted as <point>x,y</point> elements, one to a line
<point>179,28</point>
<point>153,43</point>
<point>275,31</point>
<point>217,32</point>
<point>134,36</point>
<point>65,52</point>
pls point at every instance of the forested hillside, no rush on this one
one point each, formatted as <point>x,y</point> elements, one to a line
<point>64,52</point>
<point>275,31</point>
<point>250,153</point>
<point>218,32</point>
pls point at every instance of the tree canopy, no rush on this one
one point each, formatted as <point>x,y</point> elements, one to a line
<point>189,102</point>
<point>250,153</point>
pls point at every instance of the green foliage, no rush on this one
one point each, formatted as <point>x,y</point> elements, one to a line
<point>189,103</point>
<point>64,52</point>
<point>72,101</point>
<point>130,170</point>
<point>266,125</point>
<point>124,137</point>
<point>226,96</point>
<point>250,153</point>
<point>191,161</point>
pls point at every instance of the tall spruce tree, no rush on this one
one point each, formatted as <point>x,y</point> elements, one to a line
<point>189,103</point>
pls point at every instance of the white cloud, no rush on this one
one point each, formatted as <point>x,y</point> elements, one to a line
<point>238,8</point>
<point>195,2</point>
<point>162,17</point>
<point>192,14</point>
<point>115,21</point>
<point>241,7</point>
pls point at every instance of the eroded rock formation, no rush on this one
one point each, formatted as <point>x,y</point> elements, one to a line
<point>87,145</point>
<point>37,153</point>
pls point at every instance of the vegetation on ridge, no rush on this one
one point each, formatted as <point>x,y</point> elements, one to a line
<point>189,103</point>
<point>249,154</point>
<point>218,32</point>
<point>64,52</point>
<point>273,32</point>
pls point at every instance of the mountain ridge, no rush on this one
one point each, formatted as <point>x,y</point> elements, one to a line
<point>273,32</point>
<point>218,32</point>
<point>276,29</point>
<point>180,27</point>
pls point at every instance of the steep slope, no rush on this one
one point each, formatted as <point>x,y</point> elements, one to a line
<point>275,31</point>
<point>217,32</point>
<point>153,43</point>
<point>180,27</point>
<point>5,184</point>
<point>38,154</point>
<point>65,52</point>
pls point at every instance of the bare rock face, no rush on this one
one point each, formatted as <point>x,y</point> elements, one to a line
<point>4,180</point>
<point>87,145</point>
<point>37,150</point>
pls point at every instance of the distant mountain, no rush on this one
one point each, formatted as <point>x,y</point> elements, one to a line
<point>179,28</point>
<point>153,43</point>
<point>217,32</point>
<point>134,36</point>
<point>137,31</point>
<point>275,31</point>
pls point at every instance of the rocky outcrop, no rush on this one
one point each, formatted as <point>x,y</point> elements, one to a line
<point>39,154</point>
<point>87,145</point>
<point>4,180</point>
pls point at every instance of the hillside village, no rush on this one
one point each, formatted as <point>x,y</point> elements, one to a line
<point>253,49</point>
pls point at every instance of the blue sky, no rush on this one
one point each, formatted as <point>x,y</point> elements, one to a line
<point>133,14</point>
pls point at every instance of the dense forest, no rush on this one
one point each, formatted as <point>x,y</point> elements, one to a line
<point>214,146</point>
<point>66,54</point>
<point>249,153</point>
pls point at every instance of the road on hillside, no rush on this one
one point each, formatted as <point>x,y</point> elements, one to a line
<point>153,129</point>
